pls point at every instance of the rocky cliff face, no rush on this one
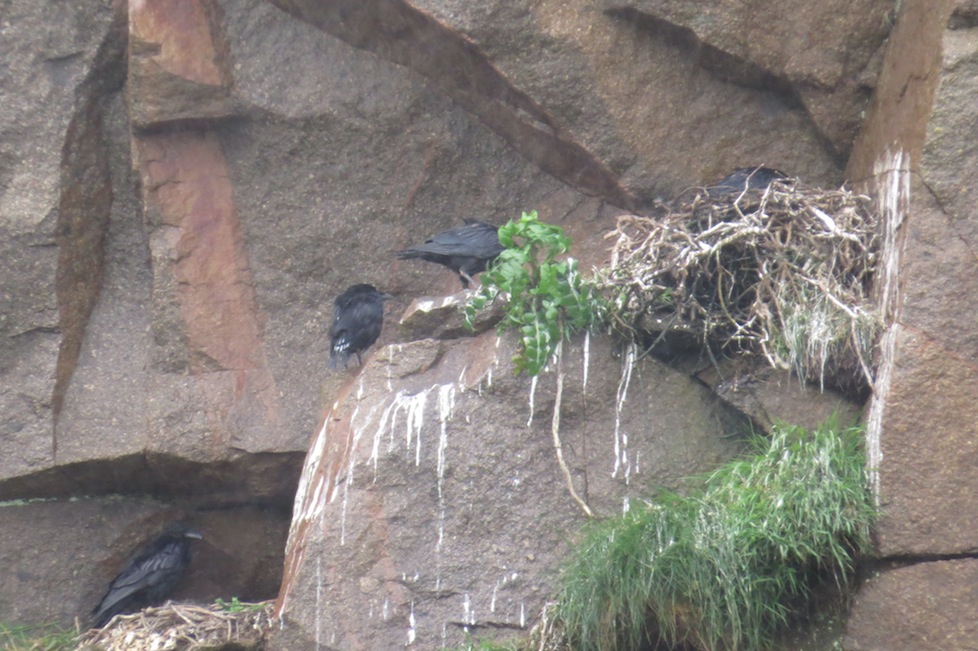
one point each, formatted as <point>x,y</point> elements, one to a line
<point>185,186</point>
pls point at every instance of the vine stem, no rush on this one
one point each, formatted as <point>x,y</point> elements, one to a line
<point>555,430</point>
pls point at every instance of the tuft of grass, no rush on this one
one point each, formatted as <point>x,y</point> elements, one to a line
<point>47,637</point>
<point>815,338</point>
<point>485,645</point>
<point>238,606</point>
<point>726,568</point>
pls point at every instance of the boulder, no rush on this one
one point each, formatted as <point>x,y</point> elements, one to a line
<point>611,105</point>
<point>433,506</point>
<point>929,605</point>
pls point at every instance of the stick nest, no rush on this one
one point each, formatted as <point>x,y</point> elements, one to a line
<point>782,271</point>
<point>183,627</point>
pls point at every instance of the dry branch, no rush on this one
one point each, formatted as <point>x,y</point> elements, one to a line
<point>182,627</point>
<point>783,272</point>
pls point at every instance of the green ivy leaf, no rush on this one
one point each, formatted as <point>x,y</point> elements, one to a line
<point>548,299</point>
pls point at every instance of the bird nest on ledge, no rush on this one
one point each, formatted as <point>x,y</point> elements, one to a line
<point>782,270</point>
<point>184,627</point>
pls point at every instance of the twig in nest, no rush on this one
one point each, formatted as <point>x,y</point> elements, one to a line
<point>777,271</point>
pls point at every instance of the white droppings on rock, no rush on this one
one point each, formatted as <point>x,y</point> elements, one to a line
<point>587,361</point>
<point>892,171</point>
<point>446,405</point>
<point>620,450</point>
<point>533,393</point>
<point>412,633</point>
<point>468,614</point>
<point>311,494</point>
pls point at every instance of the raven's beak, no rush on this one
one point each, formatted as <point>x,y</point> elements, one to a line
<point>385,296</point>
<point>196,535</point>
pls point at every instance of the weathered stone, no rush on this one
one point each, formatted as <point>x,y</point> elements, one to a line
<point>432,502</point>
<point>178,67</point>
<point>407,35</point>
<point>965,15</point>
<point>57,64</point>
<point>924,606</point>
<point>897,116</point>
<point>444,318</point>
<point>921,420</point>
<point>772,47</point>
<point>606,106</point>
<point>928,445</point>
<point>768,395</point>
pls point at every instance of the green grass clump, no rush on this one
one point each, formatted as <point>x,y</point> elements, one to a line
<point>725,569</point>
<point>483,645</point>
<point>238,606</point>
<point>49,637</point>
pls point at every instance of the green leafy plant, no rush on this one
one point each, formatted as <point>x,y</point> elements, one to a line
<point>727,567</point>
<point>548,300</point>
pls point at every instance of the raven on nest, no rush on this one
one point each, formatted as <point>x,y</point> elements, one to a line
<point>466,250</point>
<point>358,316</point>
<point>746,178</point>
<point>150,575</point>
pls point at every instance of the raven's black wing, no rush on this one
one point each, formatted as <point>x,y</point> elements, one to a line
<point>747,178</point>
<point>474,239</point>
<point>150,575</point>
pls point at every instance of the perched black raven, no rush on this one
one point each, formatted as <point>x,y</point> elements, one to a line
<point>746,178</point>
<point>149,577</point>
<point>358,316</point>
<point>466,250</point>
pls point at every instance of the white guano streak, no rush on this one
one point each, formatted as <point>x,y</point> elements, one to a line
<point>412,626</point>
<point>358,429</point>
<point>309,506</point>
<point>446,404</point>
<point>533,393</point>
<point>621,441</point>
<point>893,173</point>
<point>587,361</point>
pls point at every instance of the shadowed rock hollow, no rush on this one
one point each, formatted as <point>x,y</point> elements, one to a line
<point>186,186</point>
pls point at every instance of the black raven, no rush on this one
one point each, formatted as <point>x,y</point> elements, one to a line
<point>358,316</point>
<point>466,250</point>
<point>149,577</point>
<point>746,178</point>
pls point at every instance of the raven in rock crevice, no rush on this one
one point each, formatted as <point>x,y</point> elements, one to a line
<point>358,316</point>
<point>466,250</point>
<point>150,575</point>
